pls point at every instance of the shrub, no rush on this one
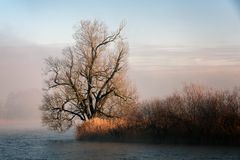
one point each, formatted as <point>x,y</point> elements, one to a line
<point>194,115</point>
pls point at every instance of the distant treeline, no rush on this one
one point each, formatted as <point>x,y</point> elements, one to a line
<point>196,115</point>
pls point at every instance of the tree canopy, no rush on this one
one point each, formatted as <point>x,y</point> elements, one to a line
<point>89,79</point>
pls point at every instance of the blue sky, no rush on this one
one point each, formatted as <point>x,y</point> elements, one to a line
<point>172,43</point>
<point>160,22</point>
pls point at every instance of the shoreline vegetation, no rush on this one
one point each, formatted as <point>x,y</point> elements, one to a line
<point>89,83</point>
<point>195,115</point>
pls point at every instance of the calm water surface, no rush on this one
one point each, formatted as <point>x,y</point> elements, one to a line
<point>41,145</point>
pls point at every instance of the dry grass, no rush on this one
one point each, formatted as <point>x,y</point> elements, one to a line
<point>99,127</point>
<point>194,115</point>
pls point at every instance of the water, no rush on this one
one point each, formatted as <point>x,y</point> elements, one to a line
<point>41,145</point>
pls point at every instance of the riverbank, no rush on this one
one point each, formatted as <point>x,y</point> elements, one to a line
<point>102,130</point>
<point>196,115</point>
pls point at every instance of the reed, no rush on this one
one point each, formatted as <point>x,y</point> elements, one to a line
<point>194,115</point>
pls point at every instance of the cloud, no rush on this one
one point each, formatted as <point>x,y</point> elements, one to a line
<point>9,37</point>
<point>155,57</point>
<point>159,70</point>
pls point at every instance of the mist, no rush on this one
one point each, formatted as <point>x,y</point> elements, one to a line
<point>21,69</point>
<point>156,71</point>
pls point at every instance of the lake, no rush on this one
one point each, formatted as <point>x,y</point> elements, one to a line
<point>46,145</point>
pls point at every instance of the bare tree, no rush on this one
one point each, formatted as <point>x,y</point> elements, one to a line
<point>89,80</point>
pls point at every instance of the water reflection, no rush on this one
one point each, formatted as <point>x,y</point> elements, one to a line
<point>45,145</point>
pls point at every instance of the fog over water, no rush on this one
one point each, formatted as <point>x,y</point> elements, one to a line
<point>170,44</point>
<point>21,68</point>
<point>159,73</point>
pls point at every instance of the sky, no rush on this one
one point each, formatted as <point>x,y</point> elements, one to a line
<point>171,43</point>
